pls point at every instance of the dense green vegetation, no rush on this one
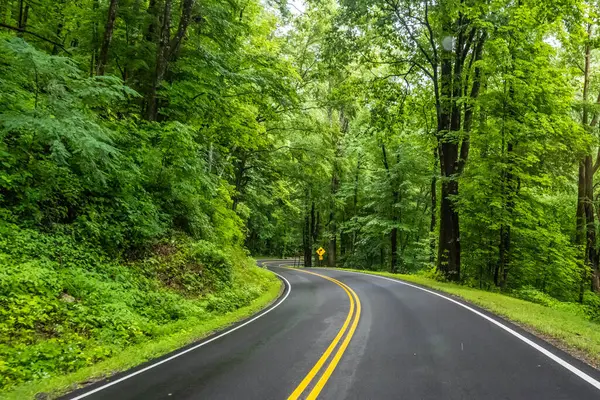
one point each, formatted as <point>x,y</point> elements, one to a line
<point>66,307</point>
<point>119,143</point>
<point>453,136</point>
<point>146,146</point>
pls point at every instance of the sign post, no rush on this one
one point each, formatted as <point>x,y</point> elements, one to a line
<point>320,252</point>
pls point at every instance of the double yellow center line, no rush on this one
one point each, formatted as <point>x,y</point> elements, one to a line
<point>352,321</point>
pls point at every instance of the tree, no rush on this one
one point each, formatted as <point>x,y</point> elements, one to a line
<point>108,34</point>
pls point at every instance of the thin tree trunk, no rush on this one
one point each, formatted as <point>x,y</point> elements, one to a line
<point>314,228</point>
<point>586,226</point>
<point>306,244</point>
<point>20,17</point>
<point>94,57</point>
<point>591,250</point>
<point>3,11</point>
<point>394,242</point>
<point>162,60</point>
<point>167,49</point>
<point>508,193</point>
<point>108,34</point>
<point>355,204</point>
<point>394,231</point>
<point>24,20</point>
<point>508,190</point>
<point>332,255</point>
<point>184,22</point>
<point>432,242</point>
<point>151,33</point>
<point>240,169</point>
<point>56,46</point>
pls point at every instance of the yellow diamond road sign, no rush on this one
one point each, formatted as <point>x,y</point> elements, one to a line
<point>320,252</point>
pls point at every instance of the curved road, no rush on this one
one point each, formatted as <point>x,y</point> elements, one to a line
<point>342,335</point>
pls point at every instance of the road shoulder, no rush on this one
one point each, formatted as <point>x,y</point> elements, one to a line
<point>556,330</point>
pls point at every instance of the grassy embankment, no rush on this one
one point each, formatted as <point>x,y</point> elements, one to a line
<point>566,325</point>
<point>70,315</point>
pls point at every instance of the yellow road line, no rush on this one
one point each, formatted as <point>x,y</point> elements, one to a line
<point>315,370</point>
<point>336,359</point>
<point>331,367</point>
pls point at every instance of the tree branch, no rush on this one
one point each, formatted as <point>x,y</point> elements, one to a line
<point>14,28</point>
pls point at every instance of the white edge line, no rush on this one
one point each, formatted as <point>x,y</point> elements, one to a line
<point>191,348</point>
<point>536,346</point>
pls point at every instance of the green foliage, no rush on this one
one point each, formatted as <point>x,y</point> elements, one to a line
<point>368,145</point>
<point>116,227</point>
<point>64,307</point>
<point>128,192</point>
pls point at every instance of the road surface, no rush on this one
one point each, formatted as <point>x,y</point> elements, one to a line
<point>341,335</point>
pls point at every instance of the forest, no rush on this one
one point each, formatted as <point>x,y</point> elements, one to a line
<point>149,148</point>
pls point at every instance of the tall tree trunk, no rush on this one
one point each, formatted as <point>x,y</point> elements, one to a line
<point>586,226</point>
<point>394,231</point>
<point>162,61</point>
<point>306,244</point>
<point>580,215</point>
<point>240,172</point>
<point>448,260</point>
<point>332,254</point>
<point>314,227</point>
<point>355,203</point>
<point>580,233</point>
<point>591,250</point>
<point>394,237</point>
<point>94,57</point>
<point>59,28</point>
<point>343,241</point>
<point>452,156</point>
<point>167,48</point>
<point>508,193</point>
<point>153,11</point>
<point>184,23</point>
<point>332,247</point>
<point>508,190</point>
<point>432,242</point>
<point>23,16</point>
<point>108,34</point>
<point>449,239</point>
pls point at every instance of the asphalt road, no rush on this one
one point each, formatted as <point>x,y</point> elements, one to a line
<point>381,339</point>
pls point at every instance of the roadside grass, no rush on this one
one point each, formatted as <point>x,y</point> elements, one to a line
<point>185,332</point>
<point>561,325</point>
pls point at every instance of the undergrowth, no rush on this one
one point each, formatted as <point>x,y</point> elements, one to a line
<point>65,306</point>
